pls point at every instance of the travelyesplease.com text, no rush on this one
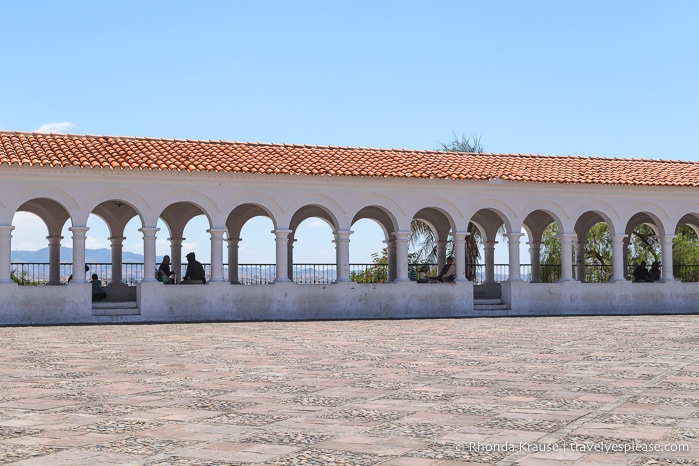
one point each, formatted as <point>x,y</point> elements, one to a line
<point>585,447</point>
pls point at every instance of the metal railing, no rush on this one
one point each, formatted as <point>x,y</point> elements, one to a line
<point>313,274</point>
<point>37,273</point>
<point>255,274</point>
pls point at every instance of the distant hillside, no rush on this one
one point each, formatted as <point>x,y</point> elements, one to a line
<point>91,255</point>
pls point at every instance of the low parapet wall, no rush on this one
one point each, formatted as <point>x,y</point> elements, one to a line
<point>289,301</point>
<point>71,304</point>
<point>620,298</point>
<point>155,302</point>
<point>40,305</point>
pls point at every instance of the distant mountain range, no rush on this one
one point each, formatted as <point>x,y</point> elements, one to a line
<point>91,255</point>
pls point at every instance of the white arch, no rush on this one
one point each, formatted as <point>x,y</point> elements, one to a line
<point>656,212</point>
<point>60,196</point>
<point>208,206</point>
<point>261,199</point>
<point>324,201</point>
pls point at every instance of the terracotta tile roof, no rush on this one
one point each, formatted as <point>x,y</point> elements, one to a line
<point>107,152</point>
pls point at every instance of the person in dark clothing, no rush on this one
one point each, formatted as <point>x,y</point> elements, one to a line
<point>164,274</point>
<point>655,273</point>
<point>640,273</point>
<point>195,271</point>
<point>448,273</point>
<point>98,293</point>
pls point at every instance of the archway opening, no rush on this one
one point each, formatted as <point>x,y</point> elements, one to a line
<point>256,252</point>
<point>368,252</point>
<point>314,255</point>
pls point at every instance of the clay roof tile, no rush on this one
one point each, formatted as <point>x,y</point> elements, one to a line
<point>35,149</point>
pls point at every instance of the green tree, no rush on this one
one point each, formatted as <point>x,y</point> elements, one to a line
<point>685,254</point>
<point>375,273</point>
<point>598,254</point>
<point>550,259</point>
<point>644,245</point>
<point>463,144</point>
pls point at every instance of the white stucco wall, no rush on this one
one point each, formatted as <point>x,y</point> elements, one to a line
<point>571,298</point>
<point>29,305</point>
<point>289,301</point>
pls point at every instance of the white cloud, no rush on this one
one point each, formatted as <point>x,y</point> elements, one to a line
<point>94,243</point>
<point>58,127</point>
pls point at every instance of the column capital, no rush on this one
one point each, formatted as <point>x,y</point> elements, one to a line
<point>282,234</point>
<point>342,235</point>
<point>401,235</point>
<point>461,235</point>
<point>149,231</point>
<point>216,232</point>
<point>6,229</point>
<point>78,231</point>
<point>176,240</point>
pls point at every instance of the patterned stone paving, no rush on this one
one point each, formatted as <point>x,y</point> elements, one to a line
<point>529,391</point>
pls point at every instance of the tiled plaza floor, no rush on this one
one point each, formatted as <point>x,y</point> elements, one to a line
<point>530,391</point>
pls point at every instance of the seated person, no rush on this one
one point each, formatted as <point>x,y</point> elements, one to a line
<point>655,273</point>
<point>640,273</point>
<point>195,271</point>
<point>448,273</point>
<point>98,293</point>
<point>422,275</point>
<point>164,274</point>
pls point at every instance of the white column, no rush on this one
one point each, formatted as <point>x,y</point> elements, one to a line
<point>489,253</point>
<point>391,259</point>
<point>625,256</point>
<point>216,254</point>
<point>342,255</point>
<point>668,274</point>
<point>176,256</point>
<point>618,250</point>
<point>460,255</point>
<point>233,248</point>
<point>79,253</point>
<point>290,242</point>
<point>6,253</point>
<point>580,261</point>
<point>535,259</point>
<point>513,246</point>
<point>117,247</point>
<point>282,239</point>
<point>566,256</point>
<point>441,253</point>
<point>149,253</point>
<point>401,256</point>
<point>54,259</point>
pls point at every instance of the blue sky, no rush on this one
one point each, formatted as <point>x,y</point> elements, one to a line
<point>598,78</point>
